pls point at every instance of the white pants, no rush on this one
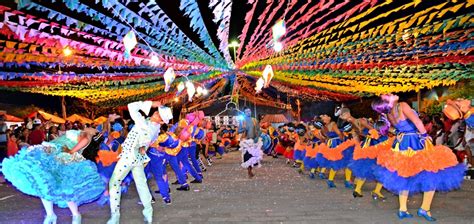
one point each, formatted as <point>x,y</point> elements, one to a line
<point>120,172</point>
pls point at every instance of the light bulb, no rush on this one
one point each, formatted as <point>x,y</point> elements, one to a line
<point>67,52</point>
<point>278,46</point>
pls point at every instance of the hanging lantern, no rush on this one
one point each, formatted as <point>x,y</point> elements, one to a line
<point>278,46</point>
<point>200,91</point>
<point>154,60</point>
<point>181,87</point>
<point>278,30</point>
<point>260,83</point>
<point>169,77</point>
<point>190,90</point>
<point>267,75</point>
<point>129,42</point>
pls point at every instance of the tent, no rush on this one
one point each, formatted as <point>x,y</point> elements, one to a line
<point>79,118</point>
<point>11,120</point>
<point>100,120</point>
<point>275,118</point>
<point>48,117</point>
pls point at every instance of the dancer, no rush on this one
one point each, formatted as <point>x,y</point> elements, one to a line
<point>300,146</point>
<point>133,156</point>
<point>289,149</point>
<point>251,151</point>
<point>413,164</point>
<point>172,150</point>
<point>315,137</point>
<point>252,154</point>
<point>195,120</point>
<point>107,156</point>
<point>274,137</point>
<point>364,161</point>
<point>166,144</point>
<point>335,154</point>
<point>186,130</point>
<point>57,172</point>
<point>266,139</point>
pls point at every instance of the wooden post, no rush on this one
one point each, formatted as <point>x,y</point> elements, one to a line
<point>63,107</point>
<point>299,109</point>
<point>419,100</point>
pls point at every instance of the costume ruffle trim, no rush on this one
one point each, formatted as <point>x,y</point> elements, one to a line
<point>335,154</point>
<point>430,159</point>
<point>372,152</point>
<point>107,157</point>
<point>254,149</point>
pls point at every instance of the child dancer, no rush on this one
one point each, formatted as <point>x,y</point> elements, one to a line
<point>413,164</point>
<point>251,154</point>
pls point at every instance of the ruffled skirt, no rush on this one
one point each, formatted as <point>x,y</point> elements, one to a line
<point>298,155</point>
<point>106,161</point>
<point>37,173</point>
<point>364,160</point>
<point>279,149</point>
<point>434,168</point>
<point>335,158</point>
<point>252,153</point>
<point>310,163</point>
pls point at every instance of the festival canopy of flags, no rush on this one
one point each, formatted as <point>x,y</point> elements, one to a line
<point>111,52</point>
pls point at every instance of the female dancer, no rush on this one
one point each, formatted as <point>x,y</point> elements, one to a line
<point>266,139</point>
<point>413,164</point>
<point>365,153</point>
<point>289,149</point>
<point>300,146</point>
<point>57,172</point>
<point>335,154</point>
<point>252,154</point>
<point>315,138</point>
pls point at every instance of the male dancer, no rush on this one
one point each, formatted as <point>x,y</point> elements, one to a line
<point>133,156</point>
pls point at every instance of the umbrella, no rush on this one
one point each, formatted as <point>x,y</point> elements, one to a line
<point>79,118</point>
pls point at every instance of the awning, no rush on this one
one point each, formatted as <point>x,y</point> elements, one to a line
<point>79,118</point>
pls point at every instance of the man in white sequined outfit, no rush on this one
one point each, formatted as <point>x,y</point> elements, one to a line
<point>133,157</point>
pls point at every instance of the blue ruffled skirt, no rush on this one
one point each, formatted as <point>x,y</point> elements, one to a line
<point>363,168</point>
<point>299,154</point>
<point>37,173</point>
<point>338,164</point>
<point>310,163</point>
<point>442,181</point>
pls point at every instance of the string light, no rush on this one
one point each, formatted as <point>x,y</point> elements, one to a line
<point>67,52</point>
